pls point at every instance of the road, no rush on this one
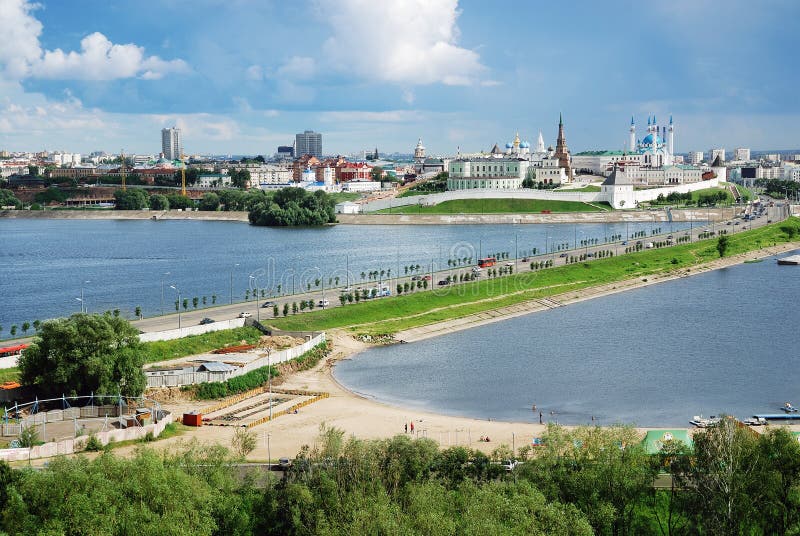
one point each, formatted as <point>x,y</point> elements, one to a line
<point>227,311</point>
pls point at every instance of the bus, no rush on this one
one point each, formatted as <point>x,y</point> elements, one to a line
<point>11,351</point>
<point>485,263</point>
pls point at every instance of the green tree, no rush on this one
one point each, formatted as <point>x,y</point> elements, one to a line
<point>13,330</point>
<point>8,199</point>
<point>285,309</point>
<point>131,199</point>
<point>36,325</point>
<point>243,441</point>
<point>722,245</point>
<point>275,310</point>
<point>25,327</point>
<point>159,202</point>
<point>209,202</point>
<point>137,312</point>
<point>195,302</point>
<point>82,354</point>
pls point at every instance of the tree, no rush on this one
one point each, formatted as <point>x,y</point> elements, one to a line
<point>213,299</point>
<point>137,312</point>
<point>209,202</point>
<point>275,311</point>
<point>159,202</point>
<point>133,199</point>
<point>195,301</point>
<point>722,245</point>
<point>285,309</point>
<point>179,201</point>
<point>243,441</point>
<point>83,354</point>
<point>36,325</point>
<point>528,182</point>
<point>13,330</point>
<point>25,327</point>
<point>185,303</point>
<point>28,437</point>
<point>8,199</point>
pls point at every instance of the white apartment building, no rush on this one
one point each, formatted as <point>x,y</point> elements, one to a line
<point>172,143</point>
<point>695,157</point>
<point>714,153</point>
<point>741,154</point>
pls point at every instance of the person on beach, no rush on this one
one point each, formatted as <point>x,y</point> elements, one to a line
<point>412,427</point>
<point>406,427</point>
<point>540,418</point>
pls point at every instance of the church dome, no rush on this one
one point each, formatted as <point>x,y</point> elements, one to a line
<point>525,145</point>
<point>509,145</point>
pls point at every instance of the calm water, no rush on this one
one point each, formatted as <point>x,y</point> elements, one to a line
<point>724,341</point>
<point>44,263</point>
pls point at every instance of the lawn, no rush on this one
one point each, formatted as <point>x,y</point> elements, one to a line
<point>587,188</point>
<point>495,206</point>
<point>9,375</point>
<point>390,315</point>
<point>198,344</point>
<point>340,197</point>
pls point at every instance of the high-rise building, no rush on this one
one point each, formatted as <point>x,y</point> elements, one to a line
<point>171,143</point>
<point>741,153</point>
<point>695,157</point>
<point>717,153</point>
<point>309,142</point>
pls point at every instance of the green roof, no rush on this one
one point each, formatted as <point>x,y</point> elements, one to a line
<point>655,439</point>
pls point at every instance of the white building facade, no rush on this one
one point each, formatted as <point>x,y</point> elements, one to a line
<point>172,143</point>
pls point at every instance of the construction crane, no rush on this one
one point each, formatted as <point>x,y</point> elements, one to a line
<point>183,174</point>
<point>122,168</point>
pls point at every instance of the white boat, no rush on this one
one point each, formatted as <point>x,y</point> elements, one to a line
<point>755,421</point>
<point>789,408</point>
<point>701,422</point>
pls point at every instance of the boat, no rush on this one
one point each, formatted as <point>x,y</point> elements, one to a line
<point>789,408</point>
<point>701,422</point>
<point>793,260</point>
<point>755,421</point>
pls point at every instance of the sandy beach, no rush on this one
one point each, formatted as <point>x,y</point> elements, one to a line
<point>369,419</point>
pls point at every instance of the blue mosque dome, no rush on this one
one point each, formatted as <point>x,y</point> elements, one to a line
<point>650,139</point>
<point>509,145</point>
<point>525,145</point>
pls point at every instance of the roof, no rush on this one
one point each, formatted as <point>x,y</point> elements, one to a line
<point>717,162</point>
<point>654,440</point>
<point>599,153</point>
<point>216,366</point>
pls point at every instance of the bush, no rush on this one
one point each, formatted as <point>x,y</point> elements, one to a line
<point>93,444</point>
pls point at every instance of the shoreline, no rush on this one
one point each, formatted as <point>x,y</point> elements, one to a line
<point>615,216</point>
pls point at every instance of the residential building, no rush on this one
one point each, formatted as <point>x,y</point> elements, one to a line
<point>171,143</point>
<point>308,142</point>
<point>695,157</point>
<point>285,152</point>
<point>741,154</point>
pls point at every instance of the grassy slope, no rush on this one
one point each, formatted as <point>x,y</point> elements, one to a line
<point>493,206</point>
<point>196,344</point>
<point>340,197</point>
<point>393,314</point>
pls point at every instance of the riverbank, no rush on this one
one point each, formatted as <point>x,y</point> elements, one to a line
<point>612,216</point>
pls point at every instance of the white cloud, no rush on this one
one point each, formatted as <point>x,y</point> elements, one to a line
<point>298,68</point>
<point>391,116</point>
<point>22,56</point>
<point>254,72</point>
<point>399,41</point>
<point>408,96</point>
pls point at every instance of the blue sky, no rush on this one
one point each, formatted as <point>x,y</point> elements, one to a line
<point>242,76</point>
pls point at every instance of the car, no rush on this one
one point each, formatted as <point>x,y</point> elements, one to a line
<point>525,259</point>
<point>769,221</point>
<point>737,223</point>
<point>638,242</point>
<point>649,245</point>
<point>476,269</point>
<point>284,463</point>
<point>590,254</point>
<point>624,242</point>
<point>245,314</point>
<point>267,304</point>
<point>206,320</point>
<point>563,255</point>
<point>443,282</point>
<point>509,263</point>
<point>416,278</point>
<point>727,223</point>
<point>509,465</point>
<point>669,237</point>
<point>426,278</point>
<point>323,303</point>
<point>347,289</point>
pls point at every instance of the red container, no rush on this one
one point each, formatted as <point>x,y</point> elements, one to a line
<point>193,419</point>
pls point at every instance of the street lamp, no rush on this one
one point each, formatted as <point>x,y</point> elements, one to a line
<point>173,287</point>
<point>162,292</point>
<point>84,309</point>
<point>258,308</point>
<point>269,379</point>
<point>234,267</point>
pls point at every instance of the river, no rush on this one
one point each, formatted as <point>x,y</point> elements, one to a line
<point>46,266</point>
<point>722,341</point>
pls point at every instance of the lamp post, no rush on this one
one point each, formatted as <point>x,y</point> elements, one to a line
<point>258,308</point>
<point>84,309</point>
<point>162,292</point>
<point>269,379</point>
<point>234,267</point>
<point>173,287</point>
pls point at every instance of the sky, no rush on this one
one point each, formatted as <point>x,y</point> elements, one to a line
<point>243,76</point>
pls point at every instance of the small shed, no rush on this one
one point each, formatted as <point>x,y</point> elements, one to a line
<point>193,418</point>
<point>348,207</point>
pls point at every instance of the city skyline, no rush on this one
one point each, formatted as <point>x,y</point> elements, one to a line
<point>456,74</point>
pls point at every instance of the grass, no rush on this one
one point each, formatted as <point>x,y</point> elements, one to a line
<point>198,344</point>
<point>340,197</point>
<point>697,193</point>
<point>390,315</point>
<point>494,206</point>
<point>587,188</point>
<point>9,375</point>
<point>170,430</point>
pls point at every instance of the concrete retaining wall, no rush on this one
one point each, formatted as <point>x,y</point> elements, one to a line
<point>70,446</point>
<point>171,334</point>
<point>481,193</point>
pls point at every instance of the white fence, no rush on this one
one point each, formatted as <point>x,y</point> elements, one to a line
<point>178,377</point>
<point>70,446</point>
<point>171,334</point>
